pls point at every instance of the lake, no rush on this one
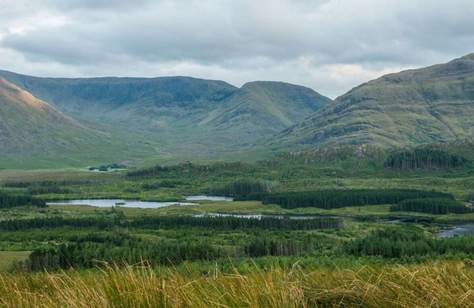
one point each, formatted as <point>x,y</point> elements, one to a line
<point>119,202</point>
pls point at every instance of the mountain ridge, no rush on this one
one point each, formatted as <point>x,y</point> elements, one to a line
<point>183,117</point>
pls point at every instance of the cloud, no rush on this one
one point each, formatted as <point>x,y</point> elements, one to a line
<point>329,45</point>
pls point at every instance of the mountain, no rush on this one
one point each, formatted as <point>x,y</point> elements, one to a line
<point>176,117</point>
<point>164,102</point>
<point>428,105</point>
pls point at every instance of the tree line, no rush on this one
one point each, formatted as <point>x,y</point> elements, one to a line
<point>336,198</point>
<point>435,206</point>
<point>119,249</point>
<point>8,200</point>
<point>242,187</point>
<point>423,158</point>
<point>188,168</point>
<point>156,222</point>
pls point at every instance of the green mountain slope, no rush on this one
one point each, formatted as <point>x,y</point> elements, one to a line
<point>262,108</point>
<point>428,105</point>
<point>28,124</point>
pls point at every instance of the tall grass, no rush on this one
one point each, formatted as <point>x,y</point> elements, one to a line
<point>446,284</point>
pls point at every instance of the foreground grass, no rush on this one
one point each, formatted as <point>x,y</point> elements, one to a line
<point>444,284</point>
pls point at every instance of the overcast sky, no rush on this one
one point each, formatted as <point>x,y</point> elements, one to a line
<point>328,45</point>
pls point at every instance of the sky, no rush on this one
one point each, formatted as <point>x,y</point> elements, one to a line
<point>328,45</point>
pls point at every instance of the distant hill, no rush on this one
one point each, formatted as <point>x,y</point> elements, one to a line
<point>428,105</point>
<point>178,117</point>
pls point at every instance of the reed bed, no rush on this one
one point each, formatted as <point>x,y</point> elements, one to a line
<point>443,284</point>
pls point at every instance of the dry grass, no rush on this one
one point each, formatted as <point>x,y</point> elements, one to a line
<point>437,285</point>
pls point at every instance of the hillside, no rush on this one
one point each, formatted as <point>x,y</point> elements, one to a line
<point>28,124</point>
<point>433,104</point>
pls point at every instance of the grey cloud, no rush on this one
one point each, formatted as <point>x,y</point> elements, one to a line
<point>310,42</point>
<point>96,4</point>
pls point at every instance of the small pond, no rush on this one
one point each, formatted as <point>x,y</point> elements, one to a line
<point>119,202</point>
<point>466,229</point>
